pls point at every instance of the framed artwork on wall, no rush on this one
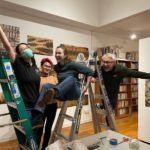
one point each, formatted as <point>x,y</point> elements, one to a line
<point>40,45</point>
<point>12,33</point>
<point>77,52</point>
<point>147,93</point>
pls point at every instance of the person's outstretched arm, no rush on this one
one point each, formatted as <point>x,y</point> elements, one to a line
<point>7,45</point>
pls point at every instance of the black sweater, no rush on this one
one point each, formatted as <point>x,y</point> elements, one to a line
<point>72,68</point>
<point>113,78</point>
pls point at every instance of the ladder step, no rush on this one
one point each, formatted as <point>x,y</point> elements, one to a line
<point>3,80</point>
<point>20,128</point>
<point>24,147</point>
<point>61,136</point>
<point>12,104</point>
<point>101,111</point>
<point>103,125</point>
<point>4,114</point>
<point>13,123</point>
<point>68,117</point>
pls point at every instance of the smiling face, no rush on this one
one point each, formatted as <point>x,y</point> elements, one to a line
<point>108,63</point>
<point>59,54</point>
<point>46,68</point>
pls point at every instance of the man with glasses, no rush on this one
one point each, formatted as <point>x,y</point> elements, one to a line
<point>113,74</point>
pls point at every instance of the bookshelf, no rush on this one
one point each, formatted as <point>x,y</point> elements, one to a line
<point>128,91</point>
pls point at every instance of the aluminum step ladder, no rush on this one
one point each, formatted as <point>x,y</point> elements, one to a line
<point>57,134</point>
<point>105,107</point>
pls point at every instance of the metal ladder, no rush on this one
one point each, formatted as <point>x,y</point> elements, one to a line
<point>106,109</point>
<point>16,106</point>
<point>75,121</point>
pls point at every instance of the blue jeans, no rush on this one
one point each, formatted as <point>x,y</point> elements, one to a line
<point>66,90</point>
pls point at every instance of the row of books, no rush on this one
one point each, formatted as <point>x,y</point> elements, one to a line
<point>122,96</point>
<point>122,104</point>
<point>123,111</point>
<point>134,87</point>
<point>134,94</point>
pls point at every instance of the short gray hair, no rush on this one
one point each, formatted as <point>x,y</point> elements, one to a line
<point>110,55</point>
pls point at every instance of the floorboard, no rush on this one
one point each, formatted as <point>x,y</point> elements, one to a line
<point>127,126</point>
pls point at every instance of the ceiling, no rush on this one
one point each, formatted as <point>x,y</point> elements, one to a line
<point>138,23</point>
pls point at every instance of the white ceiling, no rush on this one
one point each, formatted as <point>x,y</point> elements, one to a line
<point>139,23</point>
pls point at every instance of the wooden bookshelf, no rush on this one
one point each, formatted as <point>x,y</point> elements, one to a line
<point>128,91</point>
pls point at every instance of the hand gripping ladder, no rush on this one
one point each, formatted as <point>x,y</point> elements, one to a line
<point>16,106</point>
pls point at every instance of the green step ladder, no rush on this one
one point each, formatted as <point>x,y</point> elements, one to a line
<point>16,106</point>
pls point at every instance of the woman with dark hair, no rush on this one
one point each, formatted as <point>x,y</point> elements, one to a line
<point>26,71</point>
<point>68,87</point>
<point>27,75</point>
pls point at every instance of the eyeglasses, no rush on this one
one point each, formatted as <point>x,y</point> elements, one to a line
<point>107,62</point>
<point>47,66</point>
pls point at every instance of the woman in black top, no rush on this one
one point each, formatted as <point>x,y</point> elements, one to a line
<point>27,74</point>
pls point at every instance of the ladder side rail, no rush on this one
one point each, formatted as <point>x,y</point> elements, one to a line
<point>76,124</point>
<point>111,117</point>
<point>95,119</point>
<point>59,123</point>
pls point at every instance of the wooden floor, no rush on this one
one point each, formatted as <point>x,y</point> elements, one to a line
<point>127,126</point>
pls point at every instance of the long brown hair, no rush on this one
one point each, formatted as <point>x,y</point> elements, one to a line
<point>66,59</point>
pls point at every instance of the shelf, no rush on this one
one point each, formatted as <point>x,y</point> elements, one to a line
<point>127,92</point>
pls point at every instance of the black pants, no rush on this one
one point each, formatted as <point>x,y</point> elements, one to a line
<point>50,113</point>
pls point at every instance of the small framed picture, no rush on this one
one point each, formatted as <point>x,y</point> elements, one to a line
<point>129,56</point>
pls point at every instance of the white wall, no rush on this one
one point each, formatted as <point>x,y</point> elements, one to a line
<point>144,112</point>
<point>7,132</point>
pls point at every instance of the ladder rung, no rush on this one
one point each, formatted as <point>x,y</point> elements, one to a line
<point>12,104</point>
<point>24,147</point>
<point>4,114</point>
<point>68,117</point>
<point>103,125</point>
<point>37,126</point>
<point>13,123</point>
<point>20,128</point>
<point>101,111</point>
<point>61,136</point>
<point>3,80</point>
